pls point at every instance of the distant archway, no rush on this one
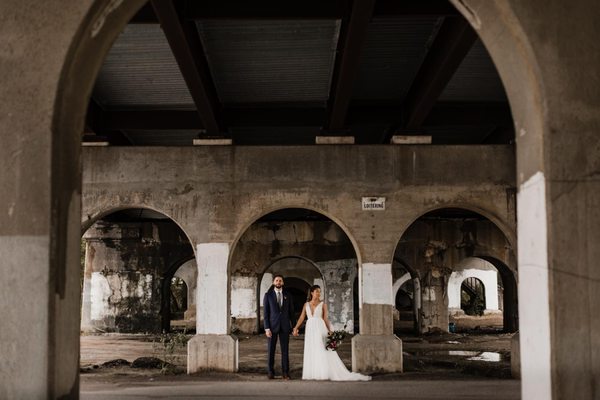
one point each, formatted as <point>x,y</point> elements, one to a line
<point>472,296</point>
<point>436,242</point>
<point>129,259</point>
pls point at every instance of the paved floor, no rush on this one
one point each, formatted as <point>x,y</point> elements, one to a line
<point>428,375</point>
<point>278,389</point>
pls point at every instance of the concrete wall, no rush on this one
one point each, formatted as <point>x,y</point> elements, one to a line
<point>189,273</point>
<point>126,264</point>
<point>315,252</point>
<point>474,268</point>
<point>545,52</point>
<point>215,193</point>
<point>434,248</point>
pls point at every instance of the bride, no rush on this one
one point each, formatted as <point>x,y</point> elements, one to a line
<point>320,363</point>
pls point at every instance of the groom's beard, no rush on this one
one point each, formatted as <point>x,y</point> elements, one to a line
<point>278,286</point>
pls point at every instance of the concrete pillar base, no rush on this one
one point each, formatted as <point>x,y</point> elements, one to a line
<point>212,353</point>
<point>376,353</point>
<point>515,356</point>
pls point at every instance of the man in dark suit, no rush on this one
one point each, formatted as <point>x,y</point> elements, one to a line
<point>278,312</point>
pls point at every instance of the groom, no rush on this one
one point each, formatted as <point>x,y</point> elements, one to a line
<point>279,320</point>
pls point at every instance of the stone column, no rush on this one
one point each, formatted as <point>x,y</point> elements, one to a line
<point>189,273</point>
<point>376,348</point>
<point>434,302</point>
<point>212,348</point>
<point>86,298</point>
<point>243,303</point>
<point>340,275</point>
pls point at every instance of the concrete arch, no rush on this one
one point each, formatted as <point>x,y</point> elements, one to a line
<point>508,232</point>
<point>191,282</point>
<point>262,284</point>
<point>399,282</point>
<point>274,261</point>
<point>261,276</point>
<point>165,290</point>
<point>263,213</point>
<point>469,270</point>
<point>417,292</point>
<point>99,214</point>
<point>510,309</point>
<point>101,24</point>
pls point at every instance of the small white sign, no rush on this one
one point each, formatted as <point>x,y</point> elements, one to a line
<point>373,203</point>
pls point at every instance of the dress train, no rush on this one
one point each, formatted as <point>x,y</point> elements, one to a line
<point>320,363</point>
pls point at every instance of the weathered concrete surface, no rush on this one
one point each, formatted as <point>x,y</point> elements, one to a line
<point>545,52</point>
<point>315,252</point>
<point>435,248</point>
<point>515,356</point>
<point>127,267</point>
<point>339,278</point>
<point>547,59</point>
<point>217,194</point>
<point>212,353</point>
<point>40,197</point>
<point>189,273</point>
<point>376,319</point>
<point>214,194</point>
<point>426,390</point>
<point>376,353</point>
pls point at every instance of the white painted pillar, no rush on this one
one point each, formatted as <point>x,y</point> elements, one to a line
<point>243,302</point>
<point>86,300</point>
<point>212,348</point>
<point>265,284</point>
<point>534,299</point>
<point>212,289</point>
<point>376,348</point>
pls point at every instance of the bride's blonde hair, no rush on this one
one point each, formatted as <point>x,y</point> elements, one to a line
<point>311,290</point>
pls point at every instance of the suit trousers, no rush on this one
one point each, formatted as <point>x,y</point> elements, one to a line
<point>284,341</point>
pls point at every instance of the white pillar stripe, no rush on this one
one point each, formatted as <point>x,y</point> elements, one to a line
<point>211,295</point>
<point>377,283</point>
<point>534,299</point>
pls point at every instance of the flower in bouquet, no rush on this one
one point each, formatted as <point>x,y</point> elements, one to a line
<point>335,339</point>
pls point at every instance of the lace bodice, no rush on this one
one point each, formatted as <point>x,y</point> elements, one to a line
<point>318,311</point>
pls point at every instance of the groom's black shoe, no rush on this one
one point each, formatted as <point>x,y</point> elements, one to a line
<point>271,376</point>
<point>286,377</point>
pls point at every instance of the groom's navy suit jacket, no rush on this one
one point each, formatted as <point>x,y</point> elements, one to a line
<point>278,319</point>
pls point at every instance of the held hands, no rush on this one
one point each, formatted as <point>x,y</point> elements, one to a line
<point>295,332</point>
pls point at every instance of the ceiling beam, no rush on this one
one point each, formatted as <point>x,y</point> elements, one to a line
<point>435,8</point>
<point>95,124</point>
<point>145,15</point>
<point>266,9</point>
<point>452,43</point>
<point>350,44</point>
<point>187,48</point>
<point>297,9</point>
<point>442,114</point>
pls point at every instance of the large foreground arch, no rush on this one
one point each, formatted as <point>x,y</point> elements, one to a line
<point>545,52</point>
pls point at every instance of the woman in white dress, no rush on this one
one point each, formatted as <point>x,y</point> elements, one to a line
<point>320,363</point>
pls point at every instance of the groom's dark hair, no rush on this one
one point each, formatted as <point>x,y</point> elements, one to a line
<point>277,276</point>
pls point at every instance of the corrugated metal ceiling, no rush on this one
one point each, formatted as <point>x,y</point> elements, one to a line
<point>270,61</point>
<point>476,79</point>
<point>393,52</point>
<point>140,71</point>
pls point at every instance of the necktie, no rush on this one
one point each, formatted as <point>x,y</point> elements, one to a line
<point>279,299</point>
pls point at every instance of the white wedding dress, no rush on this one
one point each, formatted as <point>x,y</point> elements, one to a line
<point>320,363</point>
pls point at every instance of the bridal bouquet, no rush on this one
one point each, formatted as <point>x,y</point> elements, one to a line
<point>335,338</point>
